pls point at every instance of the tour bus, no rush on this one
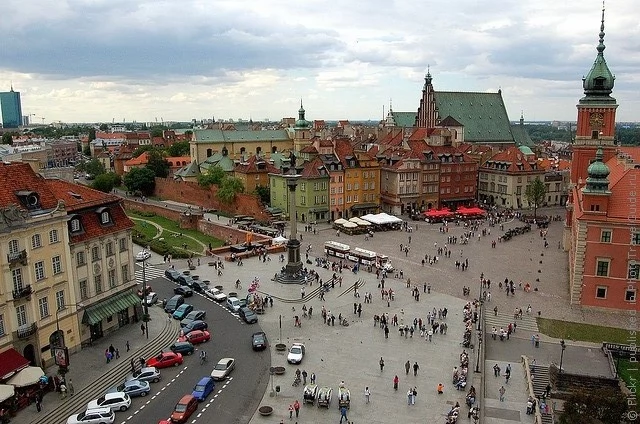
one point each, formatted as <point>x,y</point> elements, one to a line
<point>362,256</point>
<point>333,248</point>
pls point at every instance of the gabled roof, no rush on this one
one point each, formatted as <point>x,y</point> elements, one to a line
<point>510,160</point>
<point>78,196</point>
<point>220,136</point>
<point>392,139</point>
<point>251,166</point>
<point>312,169</point>
<point>309,149</point>
<point>449,121</point>
<point>405,119</point>
<point>521,136</point>
<point>191,170</point>
<point>18,176</point>
<point>143,159</point>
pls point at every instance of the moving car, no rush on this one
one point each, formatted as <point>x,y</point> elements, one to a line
<point>93,416</point>
<point>223,368</point>
<point>185,280</point>
<point>204,388</point>
<point>193,316</point>
<point>151,299</point>
<point>215,294</point>
<point>165,360</point>
<point>183,348</point>
<point>259,341</point>
<point>182,311</point>
<point>248,315</point>
<point>183,291</point>
<point>117,401</point>
<point>150,374</point>
<point>196,337</point>
<point>233,304</point>
<point>133,388</point>
<point>172,274</point>
<point>194,325</point>
<point>173,303</point>
<point>296,353</point>
<point>184,408</point>
<point>143,255</point>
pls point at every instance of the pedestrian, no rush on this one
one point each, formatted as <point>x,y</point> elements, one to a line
<point>128,347</point>
<point>409,396</point>
<point>396,381</point>
<point>304,377</point>
<point>343,414</point>
<point>381,364</point>
<point>107,355</point>
<point>133,367</point>
<point>414,394</point>
<point>313,378</point>
<point>38,403</point>
<point>548,390</point>
<point>407,367</point>
<point>70,387</point>
<point>416,367</point>
<point>496,370</point>
<point>502,392</point>
<point>440,388</point>
<point>296,407</point>
<point>142,328</point>
<point>117,353</point>
<point>63,391</point>
<point>367,394</point>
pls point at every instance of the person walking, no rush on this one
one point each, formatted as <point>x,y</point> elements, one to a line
<point>502,391</point>
<point>367,394</point>
<point>407,367</point>
<point>440,388</point>
<point>304,377</point>
<point>409,396</point>
<point>313,378</point>
<point>290,412</point>
<point>63,391</point>
<point>142,328</point>
<point>414,394</point>
<point>381,364</point>
<point>343,414</point>
<point>38,402</point>
<point>416,367</point>
<point>128,347</point>
<point>396,381</point>
<point>70,388</point>
<point>296,407</point>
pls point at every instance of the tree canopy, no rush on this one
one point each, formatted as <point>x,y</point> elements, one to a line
<point>228,189</point>
<point>7,138</point>
<point>106,182</point>
<point>158,164</point>
<point>180,148</point>
<point>213,176</point>
<point>606,406</point>
<point>140,180</point>
<point>93,167</point>
<point>535,193</point>
<point>264,193</point>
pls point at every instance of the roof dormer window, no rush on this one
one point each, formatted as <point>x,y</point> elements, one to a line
<point>105,216</point>
<point>75,224</point>
<point>29,199</point>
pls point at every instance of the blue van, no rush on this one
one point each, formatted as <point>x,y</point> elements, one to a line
<point>204,388</point>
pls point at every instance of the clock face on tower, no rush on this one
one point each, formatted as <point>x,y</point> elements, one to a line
<point>596,120</point>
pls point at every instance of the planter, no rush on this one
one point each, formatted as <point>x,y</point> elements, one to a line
<point>279,370</point>
<point>281,347</point>
<point>219,287</point>
<point>212,263</point>
<point>195,277</point>
<point>232,294</point>
<point>206,282</point>
<point>265,410</point>
<point>186,272</point>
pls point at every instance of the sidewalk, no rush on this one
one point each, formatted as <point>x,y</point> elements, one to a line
<point>89,366</point>
<point>514,406</point>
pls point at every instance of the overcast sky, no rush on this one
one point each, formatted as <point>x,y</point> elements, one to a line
<point>98,60</point>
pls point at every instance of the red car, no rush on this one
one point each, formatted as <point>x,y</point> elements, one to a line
<point>165,360</point>
<point>196,337</point>
<point>184,408</point>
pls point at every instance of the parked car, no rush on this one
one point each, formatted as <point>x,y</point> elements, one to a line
<point>182,311</point>
<point>233,304</point>
<point>204,388</point>
<point>259,341</point>
<point>185,280</point>
<point>248,315</point>
<point>215,294</point>
<point>194,325</point>
<point>182,347</point>
<point>184,408</point>
<point>150,374</point>
<point>243,302</point>
<point>133,388</point>
<point>183,291</point>
<point>223,368</point>
<point>93,416</point>
<point>296,353</point>
<point>165,360</point>
<point>172,274</point>
<point>117,401</point>
<point>151,299</point>
<point>196,337</point>
<point>199,286</point>
<point>193,316</point>
<point>173,303</point>
<point>143,293</point>
<point>143,255</point>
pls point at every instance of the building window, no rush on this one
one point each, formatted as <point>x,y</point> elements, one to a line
<point>36,241</point>
<point>39,270</point>
<point>605,236</point>
<point>601,292</point>
<point>56,263</point>
<point>629,296</point>
<point>81,258</point>
<point>2,325</point>
<point>633,272</point>
<point>602,269</point>
<point>53,236</point>
<point>21,315</point>
<point>123,244</point>
<point>60,303</point>
<point>635,238</point>
<point>95,254</point>
<point>125,273</point>
<point>84,290</point>
<point>105,218</point>
<point>97,283</point>
<point>109,249</point>
<point>43,305</point>
<point>16,275</point>
<point>112,278</point>
<point>13,247</point>
<point>75,225</point>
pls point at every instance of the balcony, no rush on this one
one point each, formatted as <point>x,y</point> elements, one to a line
<point>23,292</point>
<point>27,331</point>
<point>17,257</point>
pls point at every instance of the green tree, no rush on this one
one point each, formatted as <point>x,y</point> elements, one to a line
<point>140,179</point>
<point>534,194</point>
<point>106,182</point>
<point>7,138</point>
<point>104,127</point>
<point>158,164</point>
<point>599,406</point>
<point>157,131</point>
<point>92,134</point>
<point>188,134</point>
<point>214,176</point>
<point>229,188</point>
<point>87,150</point>
<point>140,150</point>
<point>94,168</point>
<point>181,148</point>
<point>264,193</point>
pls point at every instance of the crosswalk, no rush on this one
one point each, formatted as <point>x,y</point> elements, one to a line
<point>150,272</point>
<point>502,320</point>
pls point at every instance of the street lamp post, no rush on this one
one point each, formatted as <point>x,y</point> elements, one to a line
<point>145,307</point>
<point>563,346</point>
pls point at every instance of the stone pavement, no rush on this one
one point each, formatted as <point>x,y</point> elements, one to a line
<point>514,407</point>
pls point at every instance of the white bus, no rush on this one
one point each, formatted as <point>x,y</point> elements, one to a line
<point>362,256</point>
<point>333,248</point>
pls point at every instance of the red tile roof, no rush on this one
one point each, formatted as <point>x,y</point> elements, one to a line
<point>309,149</point>
<point>251,166</point>
<point>512,157</point>
<point>312,169</point>
<point>143,159</point>
<point>18,176</point>
<point>78,196</point>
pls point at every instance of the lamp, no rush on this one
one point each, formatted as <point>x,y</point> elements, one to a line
<point>563,346</point>
<point>145,317</point>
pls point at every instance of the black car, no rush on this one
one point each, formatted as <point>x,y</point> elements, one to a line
<point>248,315</point>
<point>172,274</point>
<point>259,341</point>
<point>183,290</point>
<point>194,325</point>
<point>199,286</point>
<point>185,280</point>
<point>184,348</point>
<point>193,316</point>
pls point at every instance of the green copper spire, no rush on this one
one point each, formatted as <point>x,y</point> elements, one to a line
<point>598,84</point>
<point>598,173</point>
<point>302,122</point>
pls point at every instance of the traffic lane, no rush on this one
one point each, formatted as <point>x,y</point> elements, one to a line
<point>230,337</point>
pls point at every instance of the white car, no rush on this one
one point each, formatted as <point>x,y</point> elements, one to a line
<point>116,401</point>
<point>93,416</point>
<point>143,255</point>
<point>215,294</point>
<point>296,353</point>
<point>223,368</point>
<point>233,304</point>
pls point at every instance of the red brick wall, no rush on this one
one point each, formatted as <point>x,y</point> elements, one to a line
<point>139,206</point>
<point>192,193</point>
<point>222,231</point>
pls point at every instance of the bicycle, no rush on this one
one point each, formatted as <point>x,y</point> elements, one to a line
<point>203,358</point>
<point>238,285</point>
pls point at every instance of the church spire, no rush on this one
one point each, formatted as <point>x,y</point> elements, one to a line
<point>598,84</point>
<point>601,45</point>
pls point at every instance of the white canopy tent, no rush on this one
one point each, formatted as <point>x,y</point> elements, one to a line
<point>26,377</point>
<point>279,240</point>
<point>6,391</point>
<point>381,219</point>
<point>350,225</point>
<point>340,221</point>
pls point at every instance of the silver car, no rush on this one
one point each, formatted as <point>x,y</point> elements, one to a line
<point>133,388</point>
<point>149,374</point>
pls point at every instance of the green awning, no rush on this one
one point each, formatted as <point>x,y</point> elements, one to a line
<point>319,210</point>
<point>365,206</point>
<point>108,307</point>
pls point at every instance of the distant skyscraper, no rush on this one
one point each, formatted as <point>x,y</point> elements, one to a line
<point>11,109</point>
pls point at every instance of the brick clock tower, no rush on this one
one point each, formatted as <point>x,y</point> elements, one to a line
<point>596,116</point>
